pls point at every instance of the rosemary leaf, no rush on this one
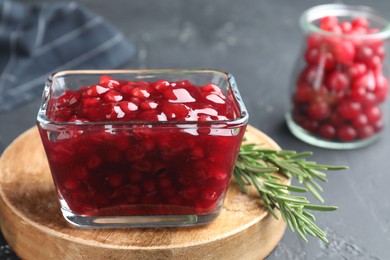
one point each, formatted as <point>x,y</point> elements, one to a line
<point>265,169</point>
<point>320,207</point>
<point>314,191</point>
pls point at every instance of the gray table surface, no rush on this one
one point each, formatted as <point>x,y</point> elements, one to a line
<point>258,42</point>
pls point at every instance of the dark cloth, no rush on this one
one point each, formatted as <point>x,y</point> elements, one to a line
<point>39,39</point>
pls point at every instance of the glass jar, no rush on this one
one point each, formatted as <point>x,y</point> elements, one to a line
<point>141,148</point>
<point>340,85</point>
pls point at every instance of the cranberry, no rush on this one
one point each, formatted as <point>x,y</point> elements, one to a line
<point>115,180</point>
<point>112,96</point>
<point>366,81</point>
<point>318,110</point>
<point>141,92</point>
<point>71,184</point>
<point>311,75</point>
<point>328,22</point>
<point>379,50</point>
<point>346,133</point>
<point>344,52</point>
<point>366,131</point>
<point>370,100</point>
<point>360,22</point>
<point>349,109</point>
<point>161,85</point>
<point>314,40</point>
<point>382,88</point>
<point>360,121</point>
<point>91,102</point>
<point>106,80</point>
<point>304,93</point>
<point>312,55</point>
<point>175,111</point>
<point>316,56</point>
<point>310,125</point>
<point>373,114</point>
<point>69,99</point>
<point>127,106</point>
<point>358,94</point>
<point>346,27</point>
<point>364,54</point>
<point>374,62</point>
<point>94,161</point>
<point>327,131</point>
<point>336,120</point>
<point>357,70</point>
<point>95,91</point>
<point>148,105</point>
<point>337,81</point>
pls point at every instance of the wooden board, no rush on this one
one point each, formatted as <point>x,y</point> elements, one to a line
<point>33,226</point>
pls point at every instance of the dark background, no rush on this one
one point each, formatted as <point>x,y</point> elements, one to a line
<point>258,41</point>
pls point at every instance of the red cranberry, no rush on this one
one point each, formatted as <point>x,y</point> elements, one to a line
<point>357,70</point>
<point>366,131</point>
<point>141,92</point>
<point>337,81</point>
<point>379,50</point>
<point>369,100</point>
<point>312,56</point>
<point>374,62</point>
<point>360,121</point>
<point>304,93</point>
<point>318,110</point>
<point>358,94</point>
<point>115,180</point>
<point>175,111</point>
<point>346,133</point>
<point>366,81</point>
<point>346,27</point>
<point>328,22</point>
<point>108,81</point>
<point>95,91</point>
<point>314,40</point>
<point>364,53</point>
<point>344,52</point>
<point>148,105</point>
<point>382,88</point>
<point>128,107</point>
<point>360,22</point>
<point>94,161</point>
<point>349,109</point>
<point>310,125</point>
<point>373,114</point>
<point>112,96</point>
<point>312,75</point>
<point>327,131</point>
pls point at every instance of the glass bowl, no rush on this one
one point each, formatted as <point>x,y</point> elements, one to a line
<point>120,172</point>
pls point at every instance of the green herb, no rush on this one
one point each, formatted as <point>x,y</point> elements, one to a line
<point>265,169</point>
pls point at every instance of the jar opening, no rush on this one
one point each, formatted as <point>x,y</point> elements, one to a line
<point>310,20</point>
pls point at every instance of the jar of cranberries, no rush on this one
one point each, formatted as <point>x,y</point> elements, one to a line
<point>141,148</point>
<point>340,83</point>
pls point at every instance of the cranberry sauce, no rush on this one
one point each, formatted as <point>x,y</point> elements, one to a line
<point>339,92</point>
<point>118,166</point>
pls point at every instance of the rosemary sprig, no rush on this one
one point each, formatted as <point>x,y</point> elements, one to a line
<point>264,169</point>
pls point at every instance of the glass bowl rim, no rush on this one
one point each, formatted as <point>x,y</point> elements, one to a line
<point>241,119</point>
<point>319,11</point>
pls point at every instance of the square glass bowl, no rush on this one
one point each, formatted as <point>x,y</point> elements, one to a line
<point>139,173</point>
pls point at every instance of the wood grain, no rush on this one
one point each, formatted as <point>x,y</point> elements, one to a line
<point>33,226</point>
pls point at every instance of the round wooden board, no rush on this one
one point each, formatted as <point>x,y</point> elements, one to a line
<point>33,226</point>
